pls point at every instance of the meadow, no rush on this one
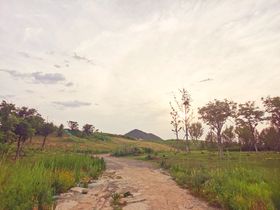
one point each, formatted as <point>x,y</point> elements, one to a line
<point>241,180</point>
<point>34,180</point>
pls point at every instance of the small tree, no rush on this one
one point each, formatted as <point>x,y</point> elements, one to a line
<point>88,129</point>
<point>228,135</point>
<point>244,137</point>
<point>250,116</point>
<point>196,130</point>
<point>46,130</point>
<point>73,125</point>
<point>60,131</point>
<point>175,122</point>
<point>272,105</point>
<point>215,114</point>
<point>23,130</point>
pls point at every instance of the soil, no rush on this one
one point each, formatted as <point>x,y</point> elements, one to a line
<point>135,185</point>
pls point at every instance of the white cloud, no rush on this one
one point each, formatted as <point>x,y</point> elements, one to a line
<point>141,50</point>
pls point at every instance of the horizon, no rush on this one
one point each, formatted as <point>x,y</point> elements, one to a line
<point>116,66</point>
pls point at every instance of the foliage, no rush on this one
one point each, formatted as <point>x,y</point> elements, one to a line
<point>132,151</point>
<point>73,125</point>
<point>196,130</point>
<point>60,131</point>
<point>215,114</point>
<point>29,184</point>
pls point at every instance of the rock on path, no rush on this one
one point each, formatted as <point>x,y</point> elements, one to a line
<point>146,188</point>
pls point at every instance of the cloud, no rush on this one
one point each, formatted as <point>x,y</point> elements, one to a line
<point>27,55</point>
<point>7,96</point>
<point>57,66</point>
<point>69,84</point>
<point>83,58</point>
<point>37,77</point>
<point>206,80</point>
<point>72,104</point>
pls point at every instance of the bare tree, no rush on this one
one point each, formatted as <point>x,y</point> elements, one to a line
<point>73,125</point>
<point>175,121</point>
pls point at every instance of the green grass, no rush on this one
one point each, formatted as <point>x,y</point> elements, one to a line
<point>32,182</point>
<point>239,181</point>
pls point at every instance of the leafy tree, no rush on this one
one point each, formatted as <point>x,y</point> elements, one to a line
<point>196,130</point>
<point>215,114</point>
<point>244,137</point>
<point>32,117</point>
<point>8,120</point>
<point>88,129</point>
<point>228,135</point>
<point>46,130</point>
<point>60,130</point>
<point>270,138</point>
<point>250,116</point>
<point>272,105</point>
<point>175,122</point>
<point>74,126</point>
<point>23,130</point>
<point>211,138</point>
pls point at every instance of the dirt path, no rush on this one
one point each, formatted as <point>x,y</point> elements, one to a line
<point>150,188</point>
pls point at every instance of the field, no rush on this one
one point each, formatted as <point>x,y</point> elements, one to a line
<point>241,180</point>
<point>35,179</point>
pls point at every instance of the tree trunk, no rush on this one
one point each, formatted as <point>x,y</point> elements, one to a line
<point>44,142</point>
<point>186,130</point>
<point>220,146</point>
<point>256,147</point>
<point>30,139</point>
<point>18,148</point>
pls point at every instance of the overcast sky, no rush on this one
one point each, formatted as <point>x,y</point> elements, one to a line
<point>115,63</point>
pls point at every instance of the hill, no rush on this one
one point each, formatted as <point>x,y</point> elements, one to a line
<point>138,134</point>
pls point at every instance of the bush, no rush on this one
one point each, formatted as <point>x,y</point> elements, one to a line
<point>132,151</point>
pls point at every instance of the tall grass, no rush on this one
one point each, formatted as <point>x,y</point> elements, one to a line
<point>29,184</point>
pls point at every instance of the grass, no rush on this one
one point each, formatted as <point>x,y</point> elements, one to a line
<point>239,181</point>
<point>32,182</point>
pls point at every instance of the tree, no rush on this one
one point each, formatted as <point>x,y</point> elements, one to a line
<point>244,137</point>
<point>88,129</point>
<point>196,130</point>
<point>23,130</point>
<point>60,131</point>
<point>228,135</point>
<point>215,114</point>
<point>250,116</point>
<point>8,120</point>
<point>175,121</point>
<point>32,117</point>
<point>184,113</point>
<point>46,130</point>
<point>270,138</point>
<point>272,106</point>
<point>211,138</point>
<point>73,125</point>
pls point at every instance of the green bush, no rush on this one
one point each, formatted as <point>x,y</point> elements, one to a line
<point>132,151</point>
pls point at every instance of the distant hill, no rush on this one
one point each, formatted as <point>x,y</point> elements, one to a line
<point>137,134</point>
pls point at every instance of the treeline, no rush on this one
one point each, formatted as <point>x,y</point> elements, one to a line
<point>19,124</point>
<point>230,123</point>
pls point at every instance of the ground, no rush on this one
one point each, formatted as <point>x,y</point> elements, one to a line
<point>151,188</point>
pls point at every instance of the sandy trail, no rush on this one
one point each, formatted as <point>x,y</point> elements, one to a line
<point>151,190</point>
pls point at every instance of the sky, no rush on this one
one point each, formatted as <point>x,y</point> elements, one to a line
<point>117,63</point>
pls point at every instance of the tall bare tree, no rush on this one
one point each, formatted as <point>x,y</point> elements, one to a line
<point>250,115</point>
<point>175,121</point>
<point>215,114</point>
